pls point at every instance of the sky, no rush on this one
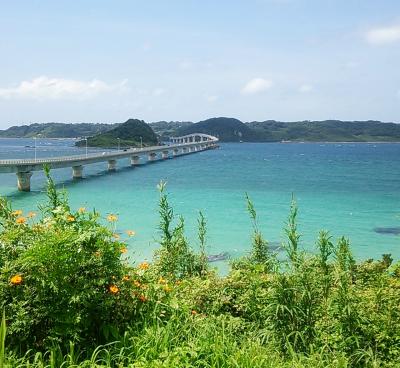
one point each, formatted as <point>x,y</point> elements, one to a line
<point>110,60</point>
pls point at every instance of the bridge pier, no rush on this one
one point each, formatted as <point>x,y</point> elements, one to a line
<point>77,172</point>
<point>135,160</point>
<point>112,165</point>
<point>182,146</point>
<point>24,181</point>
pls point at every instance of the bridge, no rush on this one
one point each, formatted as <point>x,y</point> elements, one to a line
<point>179,146</point>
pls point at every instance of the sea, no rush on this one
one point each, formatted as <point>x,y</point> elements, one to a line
<point>348,189</point>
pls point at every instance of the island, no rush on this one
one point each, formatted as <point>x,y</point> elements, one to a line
<point>132,133</point>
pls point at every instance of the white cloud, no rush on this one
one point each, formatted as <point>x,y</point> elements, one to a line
<point>383,35</point>
<point>256,85</point>
<point>43,88</point>
<point>305,88</point>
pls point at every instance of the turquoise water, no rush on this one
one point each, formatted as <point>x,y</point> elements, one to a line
<point>349,189</point>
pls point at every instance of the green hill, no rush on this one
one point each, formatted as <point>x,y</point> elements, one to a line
<point>55,130</point>
<point>226,129</point>
<point>166,129</point>
<point>132,133</point>
<point>327,130</point>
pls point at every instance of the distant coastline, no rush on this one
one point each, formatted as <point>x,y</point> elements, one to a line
<point>226,129</point>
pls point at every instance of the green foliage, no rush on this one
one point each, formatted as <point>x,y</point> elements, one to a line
<point>65,290</point>
<point>175,259</point>
<point>202,234</point>
<point>129,134</point>
<point>259,253</point>
<point>292,234</point>
<point>3,330</point>
<point>56,274</point>
<point>55,130</point>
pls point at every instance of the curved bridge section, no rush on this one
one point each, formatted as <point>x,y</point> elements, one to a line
<point>195,137</point>
<point>179,146</point>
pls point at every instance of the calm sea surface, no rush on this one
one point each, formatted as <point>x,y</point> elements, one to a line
<point>349,189</point>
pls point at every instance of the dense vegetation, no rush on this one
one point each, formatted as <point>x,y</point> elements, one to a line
<point>227,129</point>
<point>328,130</point>
<point>233,130</point>
<point>71,298</point>
<point>166,129</point>
<point>55,130</point>
<point>132,133</point>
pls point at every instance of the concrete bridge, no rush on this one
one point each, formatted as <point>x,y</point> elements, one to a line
<point>180,146</point>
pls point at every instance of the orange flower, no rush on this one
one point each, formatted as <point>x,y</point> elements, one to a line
<point>142,298</point>
<point>20,220</point>
<point>16,213</point>
<point>112,218</point>
<point>125,278</point>
<point>143,266</point>
<point>82,209</point>
<point>161,280</point>
<point>70,218</point>
<point>97,254</point>
<point>130,233</point>
<point>16,280</point>
<point>31,214</point>
<point>116,236</point>
<point>124,250</point>
<point>194,312</point>
<point>114,289</point>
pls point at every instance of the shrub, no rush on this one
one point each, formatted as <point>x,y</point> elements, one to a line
<point>61,276</point>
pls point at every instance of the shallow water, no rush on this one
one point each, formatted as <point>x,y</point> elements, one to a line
<point>349,189</point>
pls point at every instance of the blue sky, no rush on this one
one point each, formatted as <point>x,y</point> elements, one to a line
<point>107,61</point>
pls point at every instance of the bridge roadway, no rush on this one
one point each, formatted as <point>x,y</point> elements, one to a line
<point>24,167</point>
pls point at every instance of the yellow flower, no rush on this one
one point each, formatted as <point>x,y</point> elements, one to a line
<point>82,209</point>
<point>16,280</point>
<point>161,280</point>
<point>137,283</point>
<point>16,213</point>
<point>97,254</point>
<point>70,218</point>
<point>143,266</point>
<point>116,236</point>
<point>125,278</point>
<point>20,220</point>
<point>31,214</point>
<point>130,233</point>
<point>112,218</point>
<point>114,289</point>
<point>167,289</point>
<point>124,250</point>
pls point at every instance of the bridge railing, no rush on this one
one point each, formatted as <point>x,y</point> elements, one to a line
<point>96,155</point>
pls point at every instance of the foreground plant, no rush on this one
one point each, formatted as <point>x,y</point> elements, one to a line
<point>70,298</point>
